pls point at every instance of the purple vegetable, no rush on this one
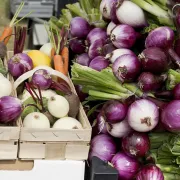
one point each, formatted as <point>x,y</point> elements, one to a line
<point>19,64</point>
<point>95,34</point>
<point>163,37</point>
<point>126,166</point>
<point>108,48</point>
<point>176,92</point>
<point>114,111</point>
<point>154,60</point>
<point>99,63</point>
<point>170,116</point>
<point>102,146</point>
<point>42,79</point>
<point>136,144</point>
<point>120,129</point>
<point>150,172</point>
<point>149,82</point>
<point>96,49</point>
<point>143,115</point>
<point>123,36</point>
<point>113,13</point>
<point>110,27</point>
<point>117,53</point>
<point>131,14</point>
<point>101,124</point>
<point>79,27</point>
<point>10,109</point>
<point>82,96</point>
<point>106,8</point>
<point>126,68</point>
<point>77,46</point>
<point>83,59</point>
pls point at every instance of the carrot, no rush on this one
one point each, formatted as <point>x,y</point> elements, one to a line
<point>65,55</point>
<point>7,32</point>
<point>52,53</point>
<point>58,64</point>
<point>6,35</point>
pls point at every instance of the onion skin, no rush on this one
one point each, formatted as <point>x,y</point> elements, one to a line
<point>143,115</point>
<point>126,166</point>
<point>150,172</point>
<point>126,68</point>
<point>10,109</point>
<point>77,46</point>
<point>136,144</point>
<point>110,27</point>
<point>176,92</point>
<point>41,78</point>
<point>83,59</point>
<point>131,14</point>
<point>19,64</point>
<point>79,27</point>
<point>99,63</point>
<point>114,111</point>
<point>102,146</point>
<point>123,36</point>
<point>170,116</point>
<point>95,34</point>
<point>154,60</point>
<point>101,124</point>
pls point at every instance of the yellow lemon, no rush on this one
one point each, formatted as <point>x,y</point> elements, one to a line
<point>39,58</point>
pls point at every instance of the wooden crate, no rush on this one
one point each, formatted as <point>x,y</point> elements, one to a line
<point>9,135</point>
<point>55,143</point>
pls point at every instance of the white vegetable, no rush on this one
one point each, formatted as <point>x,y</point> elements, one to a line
<point>36,120</point>
<point>5,86</point>
<point>67,123</point>
<point>110,27</point>
<point>45,93</point>
<point>58,106</point>
<point>46,49</point>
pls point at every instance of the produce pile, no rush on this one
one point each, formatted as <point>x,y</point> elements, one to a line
<point>45,98</point>
<point>126,72</point>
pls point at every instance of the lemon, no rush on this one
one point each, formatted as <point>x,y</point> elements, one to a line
<point>39,58</point>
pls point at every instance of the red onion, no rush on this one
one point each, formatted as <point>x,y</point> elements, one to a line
<point>95,34</point>
<point>77,46</point>
<point>126,68</point>
<point>101,124</point>
<point>110,27</point>
<point>117,53</point>
<point>41,78</point>
<point>150,172</point>
<point>10,109</point>
<point>126,166</point>
<point>96,49</point>
<point>108,48</point>
<point>143,115</point>
<point>176,92</point>
<point>114,111</point>
<point>106,8</point>
<point>154,60</point>
<point>102,146</point>
<point>79,27</point>
<point>131,14</point>
<point>149,82</point>
<point>136,144</point>
<point>120,129</point>
<point>123,36</point>
<point>19,64</point>
<point>82,96</point>
<point>177,47</point>
<point>99,63</point>
<point>170,116</point>
<point>83,59</point>
<point>113,13</point>
<point>163,37</point>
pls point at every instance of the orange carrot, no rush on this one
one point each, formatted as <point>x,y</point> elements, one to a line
<point>65,55</point>
<point>58,64</point>
<point>6,35</point>
<point>52,53</point>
